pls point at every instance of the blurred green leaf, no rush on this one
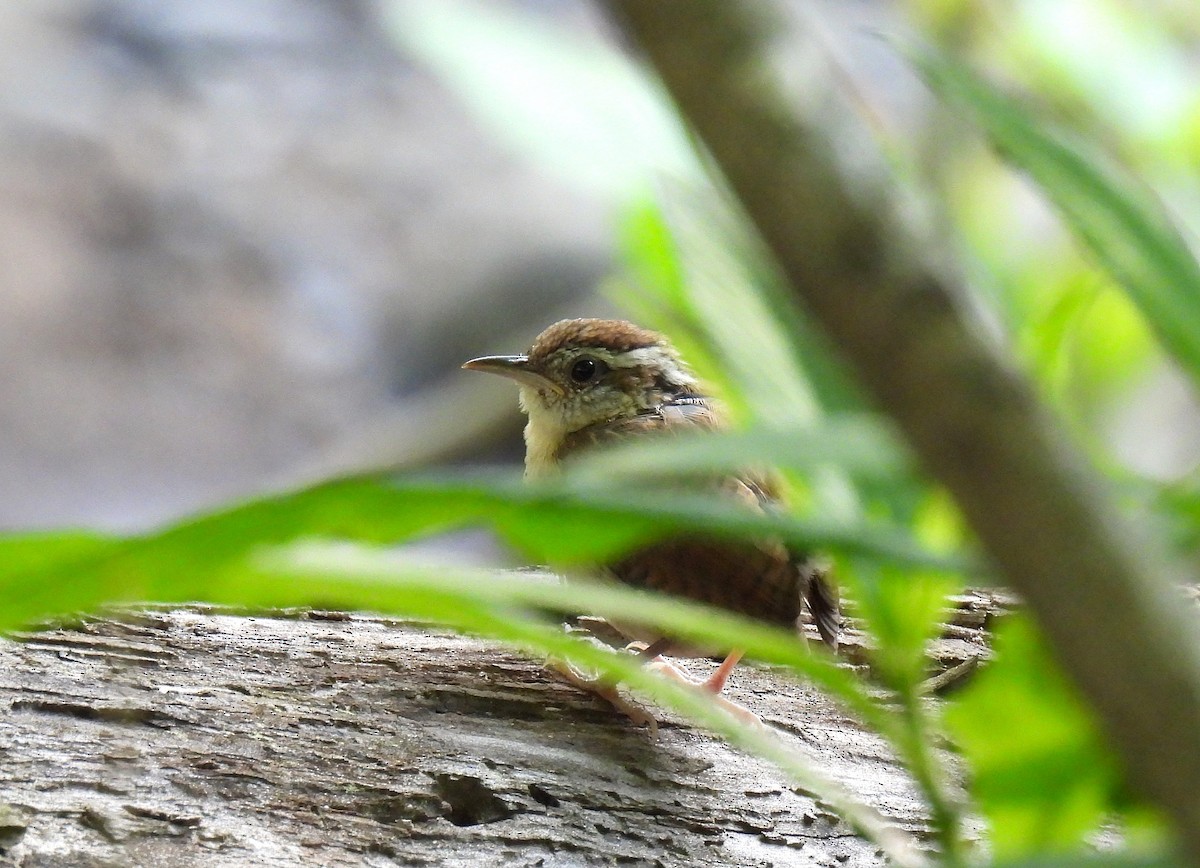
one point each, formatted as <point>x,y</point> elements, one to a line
<point>1112,345</point>
<point>1097,860</point>
<point>654,291</point>
<point>569,102</point>
<point>24,559</point>
<point>1049,333</point>
<point>902,610</point>
<point>1042,774</point>
<point>25,553</point>
<point>699,274</point>
<point>554,523</point>
<point>359,577</point>
<point>229,558</point>
<point>723,261</point>
<point>650,252</point>
<point>1120,221</point>
<point>1123,63</point>
<point>857,445</point>
<point>1177,505</point>
<point>717,291</point>
<point>486,603</point>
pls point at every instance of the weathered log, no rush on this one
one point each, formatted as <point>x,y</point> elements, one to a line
<point>194,737</point>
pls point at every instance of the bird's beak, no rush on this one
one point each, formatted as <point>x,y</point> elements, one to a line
<point>515,368</point>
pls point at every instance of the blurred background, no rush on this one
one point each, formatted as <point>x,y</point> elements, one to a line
<point>246,243</point>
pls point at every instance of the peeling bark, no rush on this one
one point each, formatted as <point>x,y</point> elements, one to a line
<point>192,737</point>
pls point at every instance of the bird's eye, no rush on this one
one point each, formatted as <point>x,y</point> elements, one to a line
<point>587,369</point>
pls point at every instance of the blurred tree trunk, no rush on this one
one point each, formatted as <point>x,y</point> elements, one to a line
<point>191,737</point>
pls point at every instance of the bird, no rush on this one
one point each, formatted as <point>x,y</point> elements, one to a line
<point>588,383</point>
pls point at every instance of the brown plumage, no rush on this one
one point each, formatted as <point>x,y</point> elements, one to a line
<point>588,382</point>
<point>763,580</point>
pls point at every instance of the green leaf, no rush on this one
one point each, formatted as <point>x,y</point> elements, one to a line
<point>1098,860</point>
<point>858,445</point>
<point>700,274</point>
<point>571,103</point>
<point>902,610</point>
<point>553,523</point>
<point>655,291</point>
<point>1177,506</point>
<point>26,559</point>
<point>1042,773</point>
<point>227,558</point>
<point>359,577</point>
<point>233,556</point>
<point>29,552</point>
<point>486,603</point>
<point>1115,216</point>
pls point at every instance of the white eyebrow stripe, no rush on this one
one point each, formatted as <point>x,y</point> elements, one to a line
<point>643,356</point>
<point>656,357</point>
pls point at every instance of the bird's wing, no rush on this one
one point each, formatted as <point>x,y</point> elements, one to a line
<point>764,580</point>
<point>756,580</point>
<point>815,584</point>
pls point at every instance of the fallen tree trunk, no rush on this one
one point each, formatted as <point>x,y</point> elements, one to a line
<point>195,737</point>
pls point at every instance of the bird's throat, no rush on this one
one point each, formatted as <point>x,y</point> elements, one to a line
<point>544,436</point>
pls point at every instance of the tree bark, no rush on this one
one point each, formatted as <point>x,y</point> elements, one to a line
<point>807,176</point>
<point>192,737</point>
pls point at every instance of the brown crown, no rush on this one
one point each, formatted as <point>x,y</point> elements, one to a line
<point>611,334</point>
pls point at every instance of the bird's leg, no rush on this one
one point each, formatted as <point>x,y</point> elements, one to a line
<point>716,681</point>
<point>714,684</point>
<point>606,689</point>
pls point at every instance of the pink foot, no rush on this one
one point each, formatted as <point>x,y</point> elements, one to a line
<point>714,684</point>
<point>607,691</point>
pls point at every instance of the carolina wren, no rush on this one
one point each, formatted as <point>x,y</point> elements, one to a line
<point>588,382</point>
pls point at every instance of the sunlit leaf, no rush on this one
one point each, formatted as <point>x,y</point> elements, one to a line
<point>1124,62</point>
<point>571,103</point>
<point>857,445</point>
<point>1042,774</point>
<point>902,610</point>
<point>1125,228</point>
<point>551,524</point>
<point>1097,860</point>
<point>699,273</point>
<point>26,559</point>
<point>25,553</point>
<point>654,291</point>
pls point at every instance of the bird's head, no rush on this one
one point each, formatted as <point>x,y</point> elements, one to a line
<point>582,372</point>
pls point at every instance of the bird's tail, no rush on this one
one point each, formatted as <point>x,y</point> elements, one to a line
<point>822,599</point>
